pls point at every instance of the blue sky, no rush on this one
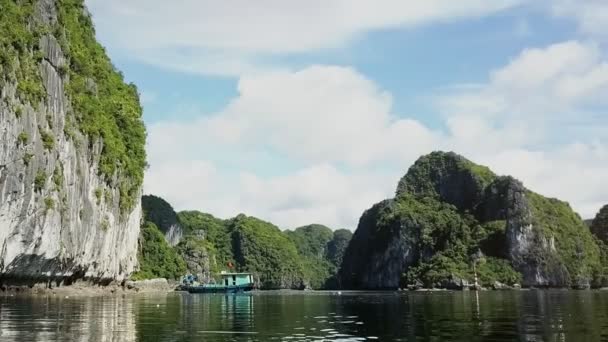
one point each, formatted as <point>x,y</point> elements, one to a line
<point>300,112</point>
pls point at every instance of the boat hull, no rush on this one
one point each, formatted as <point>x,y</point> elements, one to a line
<point>219,289</point>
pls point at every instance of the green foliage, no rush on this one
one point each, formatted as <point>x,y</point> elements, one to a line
<point>105,106</point>
<point>337,246</point>
<point>18,111</point>
<point>58,176</point>
<point>107,195</point>
<point>213,230</point>
<point>22,139</point>
<point>600,278</point>
<point>159,212</point>
<point>599,225</point>
<point>575,246</point>
<point>438,269</point>
<point>491,238</point>
<point>105,224</point>
<point>49,203</point>
<point>39,180</point>
<point>48,141</point>
<point>156,258</point>
<point>30,90</point>
<point>311,242</point>
<point>19,36</point>
<point>261,248</point>
<point>490,270</point>
<point>98,193</point>
<point>197,250</point>
<point>27,158</point>
<point>429,173</point>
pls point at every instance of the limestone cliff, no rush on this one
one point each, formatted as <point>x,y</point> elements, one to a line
<point>161,213</point>
<point>452,219</point>
<point>599,225</point>
<point>71,149</point>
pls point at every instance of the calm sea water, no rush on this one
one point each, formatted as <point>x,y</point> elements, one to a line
<point>439,316</point>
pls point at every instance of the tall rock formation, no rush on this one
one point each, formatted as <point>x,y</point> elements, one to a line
<point>161,213</point>
<point>452,219</point>
<point>261,248</point>
<point>71,149</point>
<point>599,225</point>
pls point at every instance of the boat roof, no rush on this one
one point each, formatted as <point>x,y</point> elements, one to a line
<point>234,273</point>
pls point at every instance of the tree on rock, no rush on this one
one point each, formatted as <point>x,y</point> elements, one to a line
<point>599,226</point>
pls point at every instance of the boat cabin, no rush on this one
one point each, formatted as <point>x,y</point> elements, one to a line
<point>236,279</point>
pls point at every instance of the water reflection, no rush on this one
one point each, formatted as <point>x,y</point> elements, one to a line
<point>460,316</point>
<point>57,318</point>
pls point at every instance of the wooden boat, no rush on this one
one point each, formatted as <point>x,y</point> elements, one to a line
<point>230,283</point>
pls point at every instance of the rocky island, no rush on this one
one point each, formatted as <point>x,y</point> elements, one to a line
<point>452,221</point>
<point>72,151</point>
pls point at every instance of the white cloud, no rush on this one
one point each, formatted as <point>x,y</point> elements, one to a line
<point>315,115</point>
<point>591,15</point>
<point>347,148</point>
<point>318,117</point>
<point>536,118</point>
<point>316,194</point>
<point>230,37</point>
<point>541,89</point>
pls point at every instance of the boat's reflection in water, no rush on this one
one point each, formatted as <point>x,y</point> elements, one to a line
<point>213,314</point>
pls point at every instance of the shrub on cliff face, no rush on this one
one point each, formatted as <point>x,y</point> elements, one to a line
<point>159,212</point>
<point>337,246</point>
<point>599,225</point>
<point>261,248</point>
<point>213,230</point>
<point>447,212</point>
<point>311,243</point>
<point>156,258</point>
<point>115,117</point>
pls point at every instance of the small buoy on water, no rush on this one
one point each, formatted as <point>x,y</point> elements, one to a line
<point>158,305</point>
<point>66,297</point>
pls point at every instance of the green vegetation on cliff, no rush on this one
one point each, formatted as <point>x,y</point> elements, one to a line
<point>156,258</point>
<point>205,226</point>
<point>574,247</point>
<point>19,49</point>
<point>599,225</point>
<point>312,244</point>
<point>159,212</point>
<point>452,219</point>
<point>337,246</point>
<point>210,245</point>
<point>261,248</point>
<point>103,106</point>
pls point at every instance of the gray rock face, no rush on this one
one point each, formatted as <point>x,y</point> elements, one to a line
<point>599,225</point>
<point>197,258</point>
<point>532,254</point>
<point>54,225</point>
<point>161,213</point>
<point>377,261</point>
<point>174,234</point>
<point>430,230</point>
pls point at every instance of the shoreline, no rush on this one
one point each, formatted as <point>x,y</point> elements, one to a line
<point>162,286</point>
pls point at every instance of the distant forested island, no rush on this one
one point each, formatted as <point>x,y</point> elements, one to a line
<point>453,224</point>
